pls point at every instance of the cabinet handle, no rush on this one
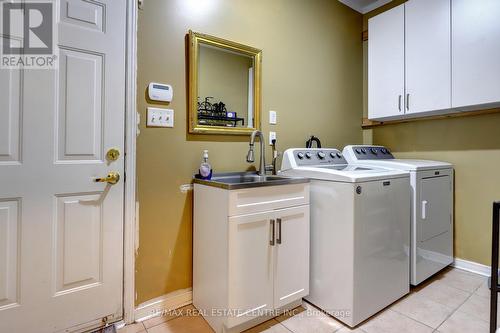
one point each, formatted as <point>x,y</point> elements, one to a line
<point>408,102</point>
<point>271,242</point>
<point>399,103</point>
<point>278,240</point>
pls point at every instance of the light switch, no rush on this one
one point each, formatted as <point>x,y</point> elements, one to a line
<point>272,136</point>
<point>160,117</point>
<point>272,117</point>
<point>169,120</point>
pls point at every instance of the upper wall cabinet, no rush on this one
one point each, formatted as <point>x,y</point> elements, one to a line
<point>475,53</point>
<point>427,56</point>
<point>386,64</point>
<point>409,60</point>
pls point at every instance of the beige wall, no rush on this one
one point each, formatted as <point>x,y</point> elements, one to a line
<point>224,76</point>
<point>472,144</point>
<point>312,75</point>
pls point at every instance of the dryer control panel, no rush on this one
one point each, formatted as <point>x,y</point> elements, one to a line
<point>366,152</point>
<point>318,156</point>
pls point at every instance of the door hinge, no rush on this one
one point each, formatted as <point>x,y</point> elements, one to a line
<point>140,4</point>
<point>124,176</point>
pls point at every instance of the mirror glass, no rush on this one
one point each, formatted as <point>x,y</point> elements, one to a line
<point>224,97</point>
<point>224,86</point>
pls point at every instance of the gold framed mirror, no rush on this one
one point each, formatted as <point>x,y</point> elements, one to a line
<point>224,86</point>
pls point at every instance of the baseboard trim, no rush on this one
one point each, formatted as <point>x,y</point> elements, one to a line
<point>158,306</point>
<point>472,267</point>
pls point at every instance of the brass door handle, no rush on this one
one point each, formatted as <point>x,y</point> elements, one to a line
<point>112,178</point>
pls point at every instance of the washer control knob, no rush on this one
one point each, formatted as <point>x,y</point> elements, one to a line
<point>308,155</point>
<point>339,155</point>
<point>321,155</point>
<point>357,150</point>
<point>333,155</point>
<point>383,150</point>
<point>363,150</point>
<point>300,155</point>
<point>374,151</point>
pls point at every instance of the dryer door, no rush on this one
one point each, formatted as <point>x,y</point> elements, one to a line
<point>434,208</point>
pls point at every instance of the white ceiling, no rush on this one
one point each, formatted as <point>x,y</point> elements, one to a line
<point>364,6</point>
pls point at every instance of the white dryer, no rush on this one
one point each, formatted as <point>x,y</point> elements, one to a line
<point>360,233</point>
<point>432,207</point>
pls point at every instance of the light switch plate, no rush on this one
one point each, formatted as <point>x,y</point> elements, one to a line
<point>160,117</point>
<point>272,136</point>
<point>272,117</point>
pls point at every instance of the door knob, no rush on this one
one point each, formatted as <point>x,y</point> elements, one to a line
<point>112,178</point>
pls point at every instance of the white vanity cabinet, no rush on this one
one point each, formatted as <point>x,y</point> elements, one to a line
<point>250,253</point>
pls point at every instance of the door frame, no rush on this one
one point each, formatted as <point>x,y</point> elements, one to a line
<point>130,205</point>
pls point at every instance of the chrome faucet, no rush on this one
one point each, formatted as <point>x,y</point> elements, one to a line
<point>251,154</point>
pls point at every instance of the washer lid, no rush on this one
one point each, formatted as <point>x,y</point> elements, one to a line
<point>404,164</point>
<point>380,156</point>
<point>346,173</point>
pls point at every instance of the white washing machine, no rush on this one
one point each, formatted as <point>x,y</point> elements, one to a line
<point>432,207</point>
<point>360,233</point>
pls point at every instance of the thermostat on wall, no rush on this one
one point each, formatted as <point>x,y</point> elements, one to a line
<point>160,92</point>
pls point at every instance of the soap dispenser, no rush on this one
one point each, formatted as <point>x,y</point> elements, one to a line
<point>205,171</point>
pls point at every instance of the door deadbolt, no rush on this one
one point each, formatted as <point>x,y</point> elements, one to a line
<point>113,154</point>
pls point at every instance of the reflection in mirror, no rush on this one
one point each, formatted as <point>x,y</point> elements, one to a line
<point>224,97</point>
<point>224,86</point>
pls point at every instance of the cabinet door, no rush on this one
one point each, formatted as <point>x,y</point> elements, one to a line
<point>475,52</point>
<point>386,64</point>
<point>250,273</point>
<point>291,281</point>
<point>427,55</point>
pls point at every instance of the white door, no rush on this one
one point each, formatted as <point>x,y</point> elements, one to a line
<point>475,52</point>
<point>386,65</point>
<point>435,207</point>
<point>291,277</point>
<point>427,55</point>
<point>251,252</point>
<point>61,247</point>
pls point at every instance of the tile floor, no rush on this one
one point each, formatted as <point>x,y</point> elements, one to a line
<point>454,301</point>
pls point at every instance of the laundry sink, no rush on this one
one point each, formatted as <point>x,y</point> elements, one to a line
<point>239,180</point>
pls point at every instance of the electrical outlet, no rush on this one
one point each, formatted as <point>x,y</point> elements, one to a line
<point>272,117</point>
<point>272,136</point>
<point>160,117</point>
